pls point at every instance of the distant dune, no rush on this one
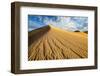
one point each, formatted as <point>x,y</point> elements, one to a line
<point>50,43</point>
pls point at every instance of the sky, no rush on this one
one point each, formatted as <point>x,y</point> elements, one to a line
<point>69,23</point>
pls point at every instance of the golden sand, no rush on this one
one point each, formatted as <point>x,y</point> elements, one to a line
<point>59,44</point>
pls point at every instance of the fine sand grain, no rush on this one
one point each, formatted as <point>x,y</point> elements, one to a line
<point>50,43</point>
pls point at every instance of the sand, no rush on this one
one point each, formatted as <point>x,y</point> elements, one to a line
<point>51,43</point>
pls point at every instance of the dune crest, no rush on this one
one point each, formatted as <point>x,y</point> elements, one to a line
<point>50,43</point>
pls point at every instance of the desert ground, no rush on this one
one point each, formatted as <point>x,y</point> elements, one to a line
<point>51,43</point>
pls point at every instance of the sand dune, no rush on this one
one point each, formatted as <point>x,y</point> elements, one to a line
<point>49,43</point>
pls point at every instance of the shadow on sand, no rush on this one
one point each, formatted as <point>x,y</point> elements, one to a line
<point>36,34</point>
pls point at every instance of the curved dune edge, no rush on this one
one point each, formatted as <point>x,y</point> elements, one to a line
<point>58,44</point>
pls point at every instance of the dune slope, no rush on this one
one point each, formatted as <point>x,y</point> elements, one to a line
<point>50,43</point>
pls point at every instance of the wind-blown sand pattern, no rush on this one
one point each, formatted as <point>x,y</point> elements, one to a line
<point>51,43</point>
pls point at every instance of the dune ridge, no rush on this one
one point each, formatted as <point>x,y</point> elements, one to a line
<point>51,43</point>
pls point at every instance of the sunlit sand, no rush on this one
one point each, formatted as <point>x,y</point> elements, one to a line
<point>51,43</point>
